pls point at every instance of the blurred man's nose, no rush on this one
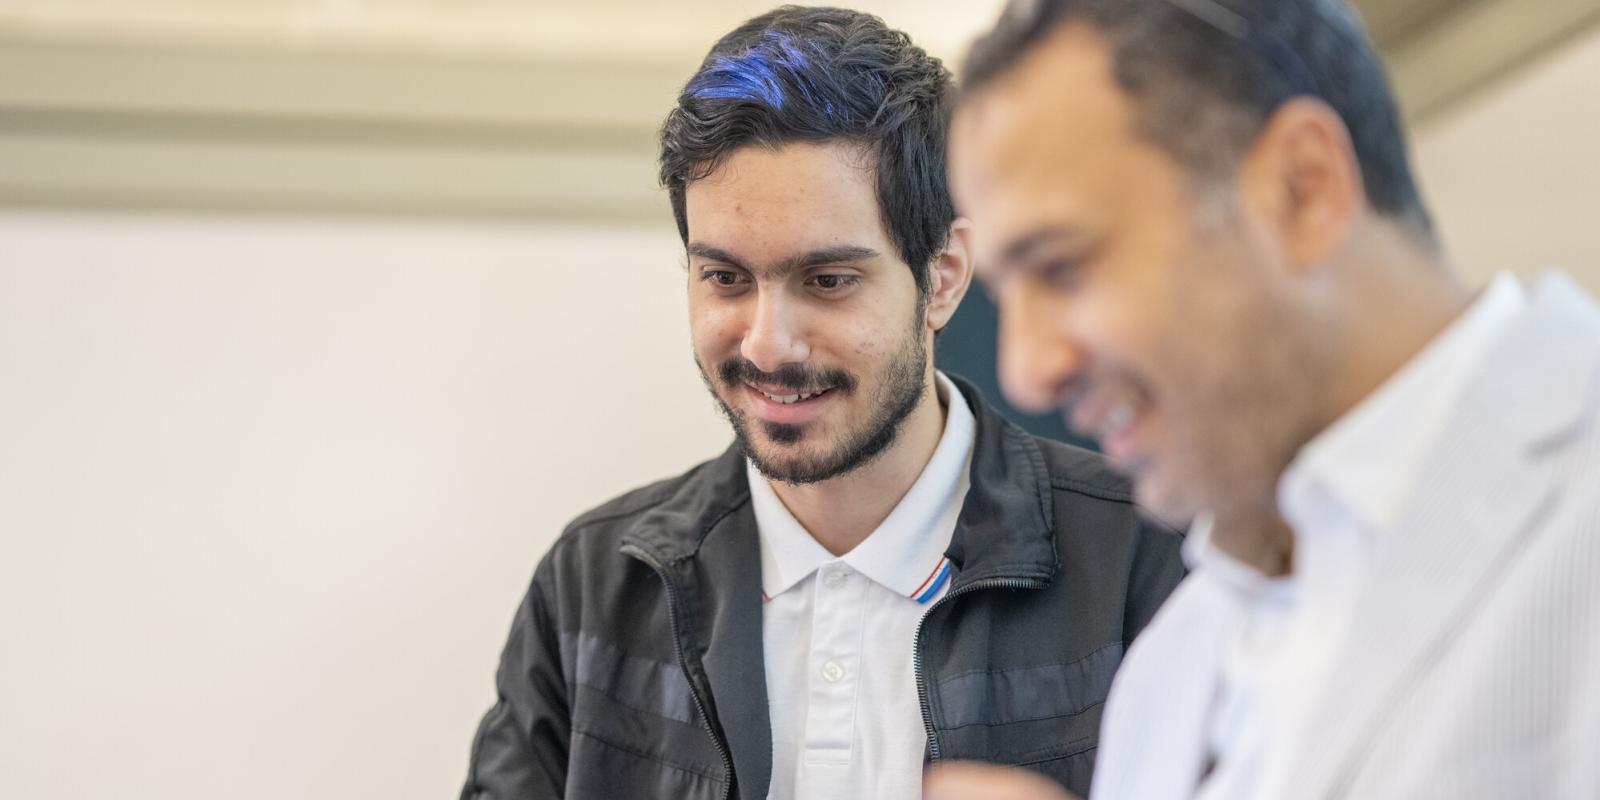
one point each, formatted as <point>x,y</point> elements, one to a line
<point>1037,359</point>
<point>776,335</point>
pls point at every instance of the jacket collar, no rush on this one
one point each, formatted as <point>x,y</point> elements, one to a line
<point>905,553</point>
<point>1006,528</point>
<point>1492,468</point>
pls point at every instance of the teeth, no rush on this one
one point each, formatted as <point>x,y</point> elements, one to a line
<point>1117,419</point>
<point>786,399</point>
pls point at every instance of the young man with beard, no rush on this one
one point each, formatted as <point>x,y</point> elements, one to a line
<point>881,571</point>
<point>1206,244</point>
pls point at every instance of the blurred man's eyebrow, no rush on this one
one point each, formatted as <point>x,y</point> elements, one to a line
<point>833,254</point>
<point>1020,249</point>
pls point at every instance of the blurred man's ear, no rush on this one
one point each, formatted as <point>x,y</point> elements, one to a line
<point>951,274</point>
<point>1303,176</point>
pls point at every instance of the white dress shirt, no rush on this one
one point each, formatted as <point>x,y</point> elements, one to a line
<point>837,632</point>
<point>1217,692</point>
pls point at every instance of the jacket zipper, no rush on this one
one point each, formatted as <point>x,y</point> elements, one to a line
<point>916,647</point>
<point>683,664</point>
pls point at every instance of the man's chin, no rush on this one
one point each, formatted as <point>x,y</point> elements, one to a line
<point>782,436</point>
<point>1160,499</point>
<point>765,450</point>
<point>787,470</point>
<point>798,463</point>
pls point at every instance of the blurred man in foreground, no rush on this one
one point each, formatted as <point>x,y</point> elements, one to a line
<point>881,570</point>
<point>1207,248</point>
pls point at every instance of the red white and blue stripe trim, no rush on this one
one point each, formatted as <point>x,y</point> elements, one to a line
<point>929,588</point>
<point>936,579</point>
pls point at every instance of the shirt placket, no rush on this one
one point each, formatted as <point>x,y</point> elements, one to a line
<point>834,671</point>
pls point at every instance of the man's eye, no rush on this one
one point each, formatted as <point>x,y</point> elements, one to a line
<point>831,282</point>
<point>721,277</point>
<point>1061,272</point>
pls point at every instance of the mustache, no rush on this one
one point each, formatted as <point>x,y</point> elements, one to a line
<point>795,377</point>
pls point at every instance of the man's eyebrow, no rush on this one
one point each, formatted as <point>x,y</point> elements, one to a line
<point>834,254</point>
<point>1020,249</point>
<point>712,253</point>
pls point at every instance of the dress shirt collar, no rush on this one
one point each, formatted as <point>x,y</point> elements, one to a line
<point>1367,461</point>
<point>1205,558</point>
<point>906,552</point>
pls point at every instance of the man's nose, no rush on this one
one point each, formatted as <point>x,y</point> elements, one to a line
<point>777,333</point>
<point>1038,359</point>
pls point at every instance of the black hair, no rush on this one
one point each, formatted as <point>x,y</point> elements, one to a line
<point>1206,75</point>
<point>799,74</point>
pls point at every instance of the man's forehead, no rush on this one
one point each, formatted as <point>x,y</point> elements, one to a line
<point>1058,99</point>
<point>765,205</point>
<point>835,158</point>
<point>1012,200</point>
<point>759,184</point>
<point>1036,147</point>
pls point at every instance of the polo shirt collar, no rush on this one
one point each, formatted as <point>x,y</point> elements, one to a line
<point>906,552</point>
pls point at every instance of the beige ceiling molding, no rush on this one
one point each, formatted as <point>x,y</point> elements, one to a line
<point>96,126</point>
<point>595,30</point>
<point>1475,43</point>
<point>355,107</point>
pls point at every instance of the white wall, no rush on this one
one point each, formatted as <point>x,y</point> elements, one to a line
<point>1513,174</point>
<point>270,489</point>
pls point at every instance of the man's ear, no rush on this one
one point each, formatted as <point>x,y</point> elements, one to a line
<point>951,274</point>
<point>1302,174</point>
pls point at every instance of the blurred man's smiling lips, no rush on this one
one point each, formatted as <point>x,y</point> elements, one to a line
<point>1117,426</point>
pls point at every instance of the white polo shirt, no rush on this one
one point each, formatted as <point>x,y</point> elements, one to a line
<point>837,632</point>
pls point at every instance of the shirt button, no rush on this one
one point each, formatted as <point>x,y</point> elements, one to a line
<point>832,672</point>
<point>834,580</point>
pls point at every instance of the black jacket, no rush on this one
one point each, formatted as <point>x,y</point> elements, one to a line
<point>634,667</point>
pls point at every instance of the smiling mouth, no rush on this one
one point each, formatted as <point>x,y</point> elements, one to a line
<point>1115,422</point>
<point>790,399</point>
<point>1114,418</point>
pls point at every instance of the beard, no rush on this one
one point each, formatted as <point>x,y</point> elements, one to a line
<point>786,458</point>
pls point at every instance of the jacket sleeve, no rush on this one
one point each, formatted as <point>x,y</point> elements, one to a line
<point>1157,569</point>
<point>520,751</point>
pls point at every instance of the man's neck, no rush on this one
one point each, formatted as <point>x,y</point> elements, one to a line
<point>1400,297</point>
<point>1397,309</point>
<point>1260,539</point>
<point>842,512</point>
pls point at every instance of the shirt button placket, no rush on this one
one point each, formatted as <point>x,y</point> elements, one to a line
<point>835,652</point>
